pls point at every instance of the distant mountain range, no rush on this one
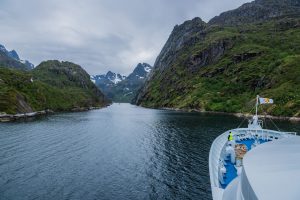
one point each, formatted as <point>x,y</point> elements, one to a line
<point>120,88</point>
<point>223,64</point>
<point>108,79</point>
<point>12,59</point>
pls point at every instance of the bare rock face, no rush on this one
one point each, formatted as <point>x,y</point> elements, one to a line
<point>258,11</point>
<point>182,35</point>
<point>186,34</point>
<point>209,55</point>
<point>22,105</point>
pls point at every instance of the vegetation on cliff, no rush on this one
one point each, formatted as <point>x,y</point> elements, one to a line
<point>59,86</point>
<point>222,65</point>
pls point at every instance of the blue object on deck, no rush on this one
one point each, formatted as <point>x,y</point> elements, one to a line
<point>249,142</point>
<point>231,172</point>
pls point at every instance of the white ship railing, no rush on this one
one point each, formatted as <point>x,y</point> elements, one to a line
<point>214,160</point>
<point>218,145</point>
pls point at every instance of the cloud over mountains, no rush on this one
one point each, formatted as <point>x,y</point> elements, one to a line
<point>100,35</point>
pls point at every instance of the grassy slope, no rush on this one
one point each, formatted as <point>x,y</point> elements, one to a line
<point>231,86</point>
<point>54,92</point>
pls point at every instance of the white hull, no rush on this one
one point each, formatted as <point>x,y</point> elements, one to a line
<point>217,153</point>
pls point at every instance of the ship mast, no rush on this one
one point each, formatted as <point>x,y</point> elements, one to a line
<point>254,123</point>
<point>256,105</point>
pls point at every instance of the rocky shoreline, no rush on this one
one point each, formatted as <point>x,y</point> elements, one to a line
<point>23,116</point>
<point>247,115</point>
<point>10,117</point>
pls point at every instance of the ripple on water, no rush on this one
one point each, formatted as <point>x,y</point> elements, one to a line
<point>120,152</point>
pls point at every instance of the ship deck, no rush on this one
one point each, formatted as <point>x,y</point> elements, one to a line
<point>231,172</point>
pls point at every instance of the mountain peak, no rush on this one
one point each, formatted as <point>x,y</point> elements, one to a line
<point>108,79</point>
<point>185,34</point>
<point>113,77</point>
<point>12,59</point>
<point>2,48</point>
<point>110,74</point>
<point>190,25</point>
<point>257,11</point>
<point>121,88</point>
<point>13,54</point>
<point>141,71</point>
<point>216,68</point>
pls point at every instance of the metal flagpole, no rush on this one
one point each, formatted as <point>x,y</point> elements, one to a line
<point>256,115</point>
<point>256,105</point>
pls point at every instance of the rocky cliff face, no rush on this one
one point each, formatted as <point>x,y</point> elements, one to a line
<point>221,67</point>
<point>258,11</point>
<point>182,35</point>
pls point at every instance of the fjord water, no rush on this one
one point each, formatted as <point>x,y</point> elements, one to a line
<point>119,152</point>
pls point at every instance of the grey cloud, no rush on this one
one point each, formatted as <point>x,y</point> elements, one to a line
<point>100,35</point>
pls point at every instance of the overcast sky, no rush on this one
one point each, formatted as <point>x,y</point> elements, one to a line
<point>100,35</point>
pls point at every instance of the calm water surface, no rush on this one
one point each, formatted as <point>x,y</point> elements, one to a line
<point>120,152</point>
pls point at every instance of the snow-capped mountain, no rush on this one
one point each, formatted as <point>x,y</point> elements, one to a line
<point>12,58</point>
<point>108,79</point>
<point>141,71</point>
<point>121,88</point>
<point>115,78</point>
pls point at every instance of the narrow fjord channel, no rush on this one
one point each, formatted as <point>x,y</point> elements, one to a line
<point>120,152</point>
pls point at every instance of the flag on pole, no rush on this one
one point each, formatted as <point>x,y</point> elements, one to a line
<point>265,101</point>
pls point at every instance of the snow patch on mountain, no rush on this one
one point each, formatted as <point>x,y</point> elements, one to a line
<point>14,55</point>
<point>120,88</point>
<point>148,69</point>
<point>108,79</point>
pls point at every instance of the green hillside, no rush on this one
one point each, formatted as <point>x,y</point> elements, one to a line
<point>59,86</point>
<point>221,67</point>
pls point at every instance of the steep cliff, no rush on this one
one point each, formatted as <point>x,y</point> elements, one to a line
<point>222,65</point>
